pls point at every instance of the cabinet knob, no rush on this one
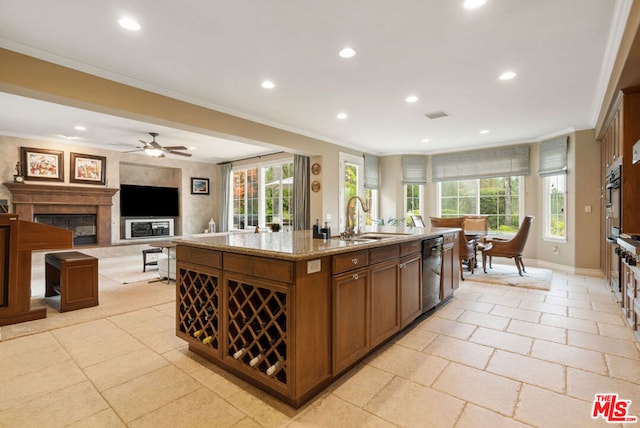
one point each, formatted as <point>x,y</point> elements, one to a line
<point>354,261</point>
<point>355,276</point>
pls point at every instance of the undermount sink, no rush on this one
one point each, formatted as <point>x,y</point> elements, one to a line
<point>375,236</point>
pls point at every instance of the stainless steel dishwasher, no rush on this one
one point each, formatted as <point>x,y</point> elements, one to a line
<point>431,268</point>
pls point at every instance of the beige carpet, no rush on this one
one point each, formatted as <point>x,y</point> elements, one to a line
<point>536,278</point>
<point>117,291</point>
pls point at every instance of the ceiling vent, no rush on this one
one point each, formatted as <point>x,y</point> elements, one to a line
<point>437,114</point>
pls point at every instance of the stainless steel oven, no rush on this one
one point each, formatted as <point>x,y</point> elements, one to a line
<point>613,223</point>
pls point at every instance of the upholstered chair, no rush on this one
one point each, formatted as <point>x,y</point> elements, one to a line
<point>466,248</point>
<point>512,248</point>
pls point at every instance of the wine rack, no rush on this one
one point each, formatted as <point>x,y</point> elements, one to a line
<point>257,328</point>
<point>199,307</point>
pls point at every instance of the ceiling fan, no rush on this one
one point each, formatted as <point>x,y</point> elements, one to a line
<point>152,148</point>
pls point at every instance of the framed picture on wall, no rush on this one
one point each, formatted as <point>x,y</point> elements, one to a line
<point>199,186</point>
<point>88,169</point>
<point>42,164</point>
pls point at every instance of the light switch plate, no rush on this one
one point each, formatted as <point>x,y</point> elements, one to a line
<point>314,266</point>
<point>587,208</point>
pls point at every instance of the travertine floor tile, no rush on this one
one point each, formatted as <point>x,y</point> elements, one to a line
<point>198,408</point>
<point>149,392</point>
<point>516,313</point>
<point>106,418</point>
<point>605,317</point>
<point>110,373</point>
<point>569,323</point>
<point>477,417</point>
<point>543,408</point>
<point>408,404</point>
<point>528,370</point>
<point>484,320</point>
<point>448,327</point>
<point>538,331</point>
<point>479,387</point>
<point>511,301</point>
<point>569,356</point>
<point>59,408</point>
<point>471,305</point>
<point>616,331</point>
<point>334,412</point>
<point>262,407</point>
<point>461,351</point>
<point>624,368</point>
<point>16,390</point>
<point>544,307</point>
<point>502,340</point>
<point>603,344</point>
<point>585,385</point>
<point>415,338</point>
<point>360,385</point>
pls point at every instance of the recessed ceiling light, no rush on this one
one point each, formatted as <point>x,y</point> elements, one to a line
<point>193,148</point>
<point>268,84</point>
<point>411,99</point>
<point>473,4</point>
<point>507,75</point>
<point>79,128</point>
<point>424,140</point>
<point>342,116</point>
<point>347,52</point>
<point>69,137</point>
<point>129,24</point>
<point>484,131</point>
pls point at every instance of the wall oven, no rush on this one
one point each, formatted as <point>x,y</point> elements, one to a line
<point>613,218</point>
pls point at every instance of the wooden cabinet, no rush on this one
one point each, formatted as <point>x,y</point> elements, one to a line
<point>290,327</point>
<point>350,318</point>
<point>450,266</point>
<point>410,288</point>
<point>630,280</point>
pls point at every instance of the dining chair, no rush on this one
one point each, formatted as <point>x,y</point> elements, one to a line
<point>511,248</point>
<point>466,249</point>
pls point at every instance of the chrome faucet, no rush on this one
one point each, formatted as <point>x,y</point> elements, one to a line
<point>349,230</point>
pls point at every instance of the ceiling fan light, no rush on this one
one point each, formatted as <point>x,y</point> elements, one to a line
<point>153,152</point>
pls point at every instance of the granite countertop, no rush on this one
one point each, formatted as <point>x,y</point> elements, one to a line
<point>300,245</point>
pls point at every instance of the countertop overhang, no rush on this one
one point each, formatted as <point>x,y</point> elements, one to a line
<point>300,245</point>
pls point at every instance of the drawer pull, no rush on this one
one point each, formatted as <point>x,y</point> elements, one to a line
<point>354,261</point>
<point>355,276</point>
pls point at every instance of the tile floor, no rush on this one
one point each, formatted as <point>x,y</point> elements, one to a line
<point>494,356</point>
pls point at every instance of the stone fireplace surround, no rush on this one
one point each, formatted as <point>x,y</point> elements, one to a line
<point>30,199</point>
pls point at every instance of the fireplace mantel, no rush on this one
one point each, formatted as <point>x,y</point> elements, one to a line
<point>30,199</point>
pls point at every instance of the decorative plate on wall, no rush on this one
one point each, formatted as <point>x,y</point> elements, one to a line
<point>315,186</point>
<point>315,169</point>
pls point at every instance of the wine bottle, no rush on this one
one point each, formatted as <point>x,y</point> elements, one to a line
<point>255,361</point>
<point>198,333</point>
<point>238,354</point>
<point>207,340</point>
<point>274,368</point>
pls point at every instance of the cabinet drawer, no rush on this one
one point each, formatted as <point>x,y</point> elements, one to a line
<point>382,254</point>
<point>449,238</point>
<point>199,256</point>
<point>261,267</point>
<point>410,248</point>
<point>345,262</point>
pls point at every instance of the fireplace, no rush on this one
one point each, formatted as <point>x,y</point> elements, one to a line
<point>83,226</point>
<point>31,200</point>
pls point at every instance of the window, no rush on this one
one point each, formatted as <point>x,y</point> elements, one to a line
<point>262,195</point>
<point>351,184</point>
<point>555,206</point>
<point>413,199</point>
<point>245,198</point>
<point>278,194</point>
<point>371,198</point>
<point>498,197</point>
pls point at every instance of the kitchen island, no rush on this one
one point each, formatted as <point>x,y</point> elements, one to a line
<point>290,313</point>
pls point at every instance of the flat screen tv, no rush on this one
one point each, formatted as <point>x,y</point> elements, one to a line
<point>148,201</point>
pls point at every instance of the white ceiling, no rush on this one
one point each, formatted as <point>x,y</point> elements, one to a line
<point>216,53</point>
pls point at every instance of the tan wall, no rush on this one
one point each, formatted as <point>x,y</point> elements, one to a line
<point>195,210</point>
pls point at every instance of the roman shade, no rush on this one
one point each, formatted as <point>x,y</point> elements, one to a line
<point>553,157</point>
<point>371,172</point>
<point>414,170</point>
<point>496,162</point>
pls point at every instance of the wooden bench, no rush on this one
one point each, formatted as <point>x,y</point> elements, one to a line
<point>74,276</point>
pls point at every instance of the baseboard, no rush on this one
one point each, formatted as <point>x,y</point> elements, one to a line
<point>597,273</point>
